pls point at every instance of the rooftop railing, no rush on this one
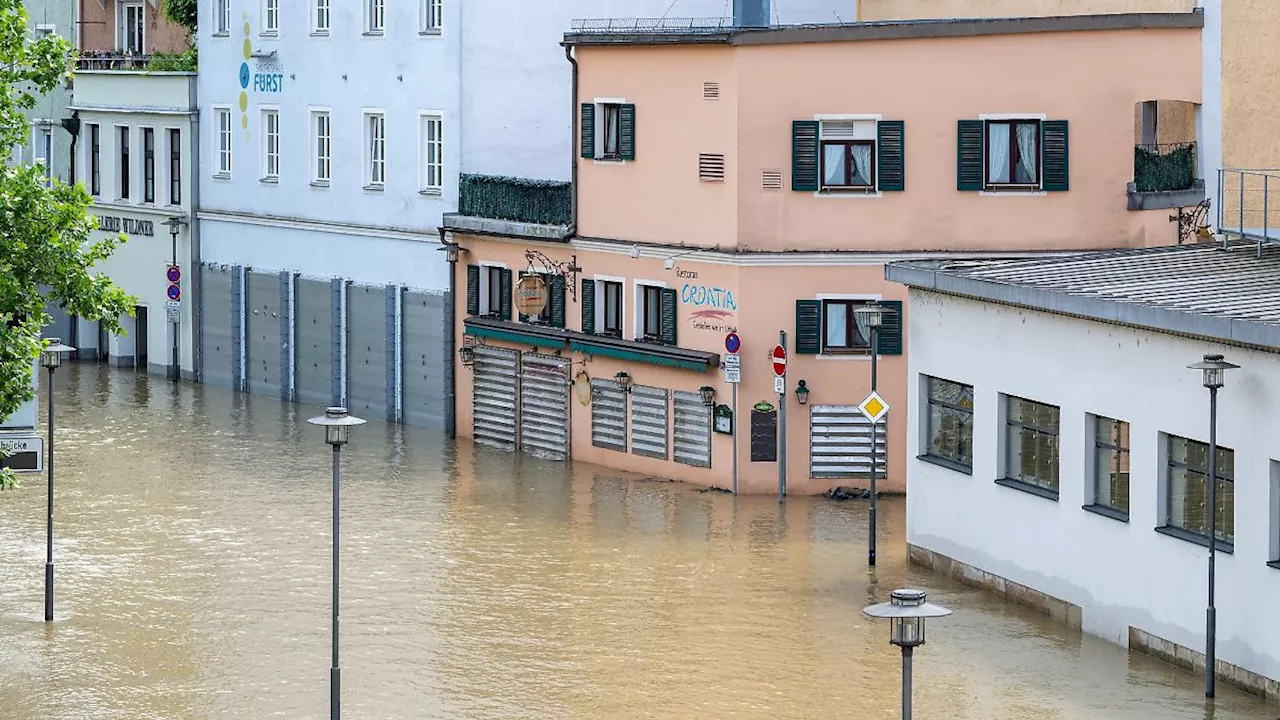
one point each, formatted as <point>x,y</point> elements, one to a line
<point>652,25</point>
<point>1246,209</point>
<point>109,60</point>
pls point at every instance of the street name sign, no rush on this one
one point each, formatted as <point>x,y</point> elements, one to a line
<point>22,453</point>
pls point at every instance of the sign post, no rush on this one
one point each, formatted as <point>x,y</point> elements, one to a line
<point>780,385</point>
<point>733,376</point>
<point>22,453</point>
<point>873,408</point>
<point>173,307</point>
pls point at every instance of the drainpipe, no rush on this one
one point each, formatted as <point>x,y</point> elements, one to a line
<point>451,342</point>
<point>573,148</point>
<point>193,235</point>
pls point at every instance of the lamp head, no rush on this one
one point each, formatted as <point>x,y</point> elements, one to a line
<point>337,424</point>
<point>53,353</point>
<point>906,612</point>
<point>1213,370</point>
<point>871,315</point>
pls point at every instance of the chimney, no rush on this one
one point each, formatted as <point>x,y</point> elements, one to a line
<point>751,13</point>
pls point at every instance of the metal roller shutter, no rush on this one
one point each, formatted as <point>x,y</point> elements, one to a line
<point>316,336</point>
<point>218,364</point>
<point>608,415</point>
<point>649,421</point>
<point>840,443</point>
<point>544,406</point>
<point>692,430</point>
<point>426,367</point>
<point>494,397</point>
<point>264,332</point>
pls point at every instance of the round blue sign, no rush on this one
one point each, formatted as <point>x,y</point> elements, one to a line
<point>174,292</point>
<point>732,343</point>
<point>244,75</point>
<point>173,273</point>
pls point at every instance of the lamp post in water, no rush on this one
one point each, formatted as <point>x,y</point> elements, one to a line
<point>906,612</point>
<point>1213,368</point>
<point>873,316</point>
<point>337,430</point>
<point>51,358</point>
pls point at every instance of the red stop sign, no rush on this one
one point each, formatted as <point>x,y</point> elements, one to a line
<point>779,360</point>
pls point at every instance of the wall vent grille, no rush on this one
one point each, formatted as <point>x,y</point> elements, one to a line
<point>711,167</point>
<point>771,180</point>
<point>710,91</point>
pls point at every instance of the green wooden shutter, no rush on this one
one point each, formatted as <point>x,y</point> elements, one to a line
<point>587,298</point>
<point>588,130</point>
<point>504,287</point>
<point>808,327</point>
<point>473,289</point>
<point>804,155</point>
<point>889,337</point>
<point>557,301</point>
<point>969,155</point>
<point>891,144</point>
<point>1056,163</point>
<point>627,132</point>
<point>667,321</point>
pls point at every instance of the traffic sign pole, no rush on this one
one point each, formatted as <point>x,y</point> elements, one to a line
<point>875,432</point>
<point>174,292</point>
<point>782,417</point>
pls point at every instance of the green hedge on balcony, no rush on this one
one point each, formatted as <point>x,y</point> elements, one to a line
<point>545,202</point>
<point>1164,167</point>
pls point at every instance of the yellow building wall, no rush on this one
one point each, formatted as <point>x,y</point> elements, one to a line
<point>1250,83</point>
<point>918,9</point>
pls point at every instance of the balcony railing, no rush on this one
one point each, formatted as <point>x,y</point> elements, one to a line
<point>627,26</point>
<point>542,202</point>
<point>1245,207</point>
<point>107,60</point>
<point>1168,166</point>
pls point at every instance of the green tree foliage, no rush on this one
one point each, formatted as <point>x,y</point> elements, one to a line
<point>182,12</point>
<point>45,232</point>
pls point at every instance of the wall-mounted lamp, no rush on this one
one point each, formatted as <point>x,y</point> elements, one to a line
<point>802,392</point>
<point>708,394</point>
<point>468,356</point>
<point>623,380</point>
<point>635,251</point>
<point>451,250</point>
<point>671,260</point>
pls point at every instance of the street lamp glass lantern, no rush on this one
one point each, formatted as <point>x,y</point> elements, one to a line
<point>802,392</point>
<point>623,381</point>
<point>871,315</point>
<point>337,425</point>
<point>451,250</point>
<point>52,355</point>
<point>708,394</point>
<point>1214,370</point>
<point>906,612</point>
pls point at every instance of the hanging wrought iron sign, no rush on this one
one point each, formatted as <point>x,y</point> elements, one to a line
<point>1193,221</point>
<point>540,263</point>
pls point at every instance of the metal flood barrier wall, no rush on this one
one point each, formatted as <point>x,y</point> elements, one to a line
<point>840,443</point>
<point>380,350</point>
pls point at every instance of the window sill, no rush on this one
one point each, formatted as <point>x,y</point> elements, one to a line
<point>1274,564</point>
<point>609,161</point>
<point>1195,539</point>
<point>1109,512</point>
<point>1012,192</point>
<point>269,180</point>
<point>432,192</point>
<point>948,464</point>
<point>221,176</point>
<point>429,33</point>
<point>319,183</point>
<point>269,34</point>
<point>1028,488</point>
<point>373,33</point>
<point>374,188</point>
<point>221,34</point>
<point>319,33</point>
<point>848,193</point>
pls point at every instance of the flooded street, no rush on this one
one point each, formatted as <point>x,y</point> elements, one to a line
<point>192,551</point>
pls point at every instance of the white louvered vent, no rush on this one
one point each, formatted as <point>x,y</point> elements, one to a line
<point>710,91</point>
<point>771,179</point>
<point>847,129</point>
<point>711,167</point>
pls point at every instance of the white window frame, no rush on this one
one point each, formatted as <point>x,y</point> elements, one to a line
<point>44,30</point>
<point>117,166</point>
<point>321,9</point>
<point>485,310</point>
<point>430,17</point>
<point>600,280</point>
<point>122,27</point>
<point>427,118</point>
<point>40,130</point>
<point>90,160</point>
<point>142,164</point>
<point>840,356</point>
<point>222,170</point>
<point>222,18</point>
<point>270,115</point>
<point>375,156</point>
<point>270,18</point>
<point>600,157</point>
<point>637,295</point>
<point>825,133</point>
<point>375,17</point>
<point>168,165</point>
<point>318,161</point>
<point>1038,190</point>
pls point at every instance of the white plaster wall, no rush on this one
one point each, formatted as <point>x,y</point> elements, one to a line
<point>516,97</point>
<point>1120,574</point>
<point>1209,115</point>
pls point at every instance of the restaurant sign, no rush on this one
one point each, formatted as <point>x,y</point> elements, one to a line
<point>531,295</point>
<point>128,226</point>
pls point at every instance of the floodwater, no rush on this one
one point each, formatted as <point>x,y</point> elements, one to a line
<point>192,550</point>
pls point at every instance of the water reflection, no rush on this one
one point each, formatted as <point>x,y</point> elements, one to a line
<point>193,556</point>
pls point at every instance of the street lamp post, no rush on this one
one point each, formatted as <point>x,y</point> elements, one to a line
<point>873,317</point>
<point>1213,368</point>
<point>337,430</point>
<point>175,224</point>
<point>906,611</point>
<point>50,358</point>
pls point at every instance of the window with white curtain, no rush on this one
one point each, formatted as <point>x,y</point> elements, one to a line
<point>842,330</point>
<point>375,150</point>
<point>270,144</point>
<point>432,154</point>
<point>1013,153</point>
<point>847,154</point>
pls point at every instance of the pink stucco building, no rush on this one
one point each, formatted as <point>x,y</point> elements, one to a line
<point>756,180</point>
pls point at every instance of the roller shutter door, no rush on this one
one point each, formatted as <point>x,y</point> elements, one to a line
<point>494,397</point>
<point>608,415</point>
<point>649,421</point>
<point>840,443</point>
<point>544,406</point>
<point>692,430</point>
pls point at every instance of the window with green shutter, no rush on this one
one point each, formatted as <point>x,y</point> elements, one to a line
<point>889,337</point>
<point>615,136</point>
<point>1056,156</point>
<point>556,301</point>
<point>891,139</point>
<point>587,299</point>
<point>804,155</point>
<point>669,306</point>
<point>627,132</point>
<point>808,327</point>
<point>587,128</point>
<point>969,153</point>
<point>833,327</point>
<point>848,155</point>
<point>1012,154</point>
<point>473,289</point>
<point>504,302</point>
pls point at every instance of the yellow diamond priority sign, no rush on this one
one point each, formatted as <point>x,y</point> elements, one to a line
<point>874,407</point>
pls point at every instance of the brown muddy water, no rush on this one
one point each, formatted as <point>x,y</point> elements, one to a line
<point>192,550</point>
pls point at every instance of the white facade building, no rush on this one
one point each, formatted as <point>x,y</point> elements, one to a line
<point>1057,442</point>
<point>136,155</point>
<point>335,135</point>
